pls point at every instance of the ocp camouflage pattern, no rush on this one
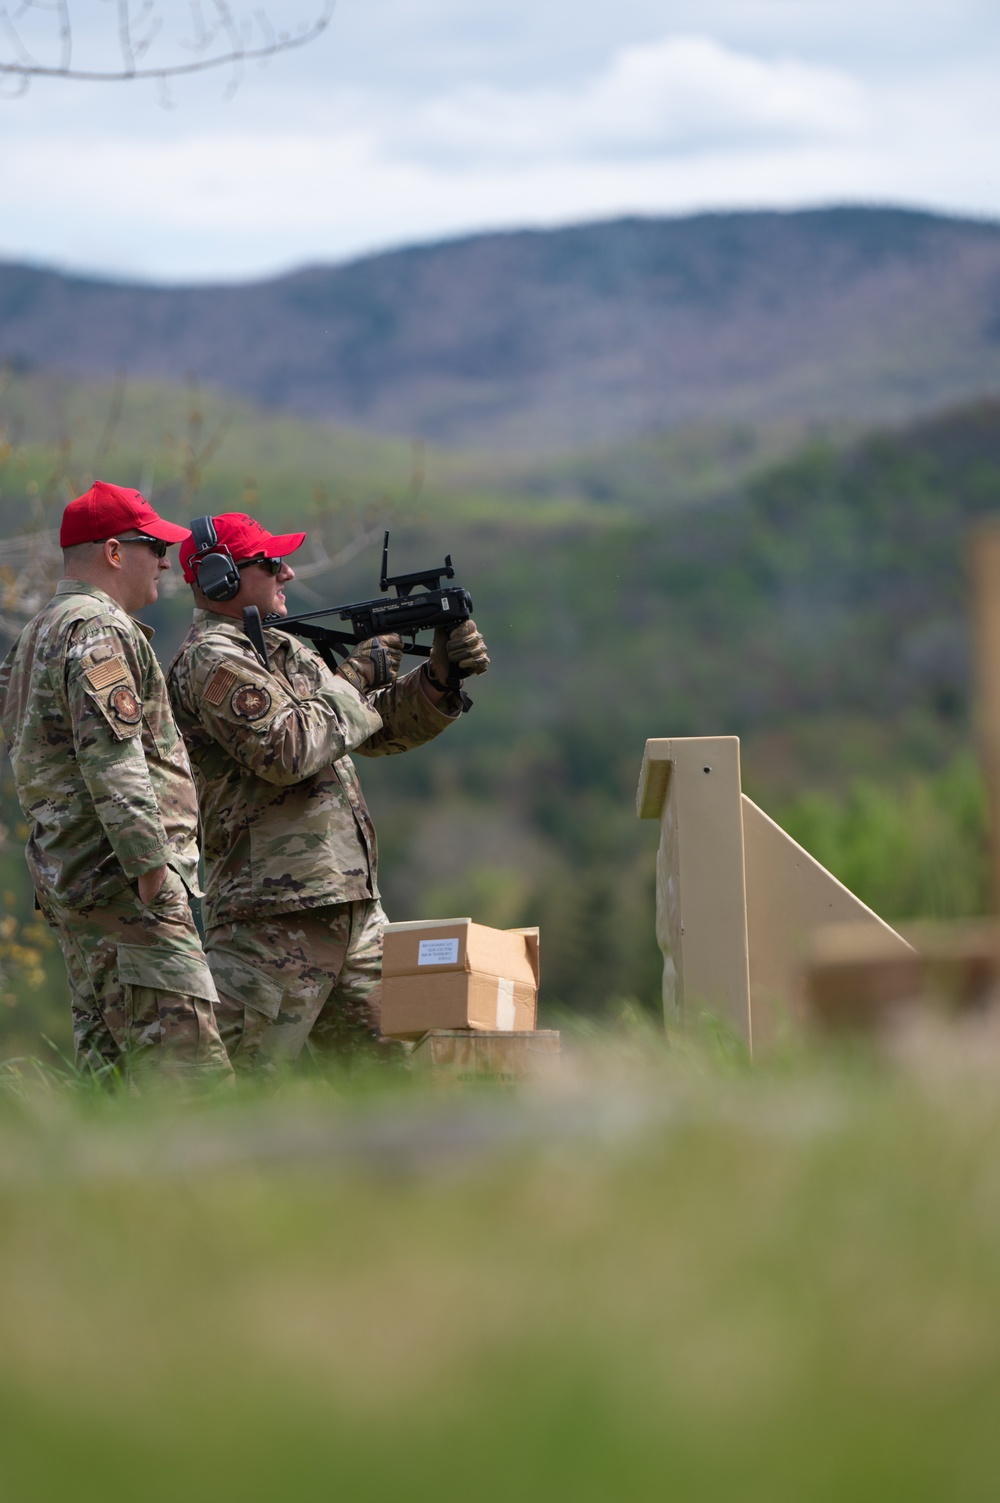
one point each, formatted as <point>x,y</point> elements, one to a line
<point>101,773</point>
<point>293,977</point>
<point>141,990</point>
<point>285,822</point>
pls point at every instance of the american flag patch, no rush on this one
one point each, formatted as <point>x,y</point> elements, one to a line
<point>112,671</point>
<point>219,685</point>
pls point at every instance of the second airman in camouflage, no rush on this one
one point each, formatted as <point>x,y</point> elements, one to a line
<point>292,911</point>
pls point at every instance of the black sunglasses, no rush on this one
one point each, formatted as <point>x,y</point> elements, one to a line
<point>158,546</point>
<point>272,565</point>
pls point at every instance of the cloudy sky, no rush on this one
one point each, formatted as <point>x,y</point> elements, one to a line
<point>415,119</point>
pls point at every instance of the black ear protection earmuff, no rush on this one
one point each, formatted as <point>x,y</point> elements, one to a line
<point>217,576</point>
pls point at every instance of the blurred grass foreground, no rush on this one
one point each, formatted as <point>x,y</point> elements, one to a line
<point>668,1278</point>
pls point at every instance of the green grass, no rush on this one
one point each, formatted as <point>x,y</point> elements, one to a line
<point>675,1277</point>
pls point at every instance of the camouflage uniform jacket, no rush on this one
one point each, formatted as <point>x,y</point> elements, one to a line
<point>101,772</point>
<point>285,822</point>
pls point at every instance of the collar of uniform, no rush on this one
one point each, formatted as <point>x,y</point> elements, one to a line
<point>78,587</point>
<point>228,624</point>
<point>218,622</point>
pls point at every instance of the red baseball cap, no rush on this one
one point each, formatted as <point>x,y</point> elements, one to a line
<point>105,510</point>
<point>244,538</point>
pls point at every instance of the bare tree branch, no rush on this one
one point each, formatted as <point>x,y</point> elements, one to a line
<point>30,563</point>
<point>27,62</point>
<point>65,35</point>
<point>125,37</point>
<point>111,422</point>
<point>138,29</point>
<point>203,37</point>
<point>236,42</point>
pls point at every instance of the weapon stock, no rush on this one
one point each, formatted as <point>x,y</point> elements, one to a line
<point>254,631</point>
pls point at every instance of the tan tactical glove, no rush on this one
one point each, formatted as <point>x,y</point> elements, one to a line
<point>461,650</point>
<point>373,664</point>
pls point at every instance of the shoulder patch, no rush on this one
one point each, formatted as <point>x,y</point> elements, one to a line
<point>112,671</point>
<point>219,685</point>
<point>251,702</point>
<point>124,705</point>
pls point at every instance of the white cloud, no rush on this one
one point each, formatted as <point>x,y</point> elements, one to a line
<point>675,94</point>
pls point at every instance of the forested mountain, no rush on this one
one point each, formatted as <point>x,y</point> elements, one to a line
<point>547,339</point>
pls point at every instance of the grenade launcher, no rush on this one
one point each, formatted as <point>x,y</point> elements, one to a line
<point>420,603</point>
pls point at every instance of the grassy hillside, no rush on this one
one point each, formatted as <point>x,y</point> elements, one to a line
<point>554,339</point>
<point>181,444</point>
<point>814,605</point>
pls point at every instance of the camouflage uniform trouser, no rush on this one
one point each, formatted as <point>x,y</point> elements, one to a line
<point>314,975</point>
<point>140,989</point>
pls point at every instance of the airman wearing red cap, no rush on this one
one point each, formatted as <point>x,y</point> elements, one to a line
<point>105,784</point>
<point>292,912</point>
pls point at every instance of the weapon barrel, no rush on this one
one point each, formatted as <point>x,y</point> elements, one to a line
<point>328,610</point>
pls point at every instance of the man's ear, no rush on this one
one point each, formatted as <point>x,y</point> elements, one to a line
<point>113,553</point>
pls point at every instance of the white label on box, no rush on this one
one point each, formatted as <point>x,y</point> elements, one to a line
<point>437,952</point>
<point>505,1005</point>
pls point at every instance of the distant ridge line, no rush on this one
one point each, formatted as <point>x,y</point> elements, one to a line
<point>468,237</point>
<point>542,339</point>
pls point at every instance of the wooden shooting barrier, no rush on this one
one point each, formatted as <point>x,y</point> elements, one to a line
<point>738,902</point>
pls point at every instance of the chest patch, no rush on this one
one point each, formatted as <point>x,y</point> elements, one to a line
<point>219,685</point>
<point>124,706</point>
<point>113,671</point>
<point>251,702</point>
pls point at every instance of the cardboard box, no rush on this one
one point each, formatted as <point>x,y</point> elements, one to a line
<point>452,973</point>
